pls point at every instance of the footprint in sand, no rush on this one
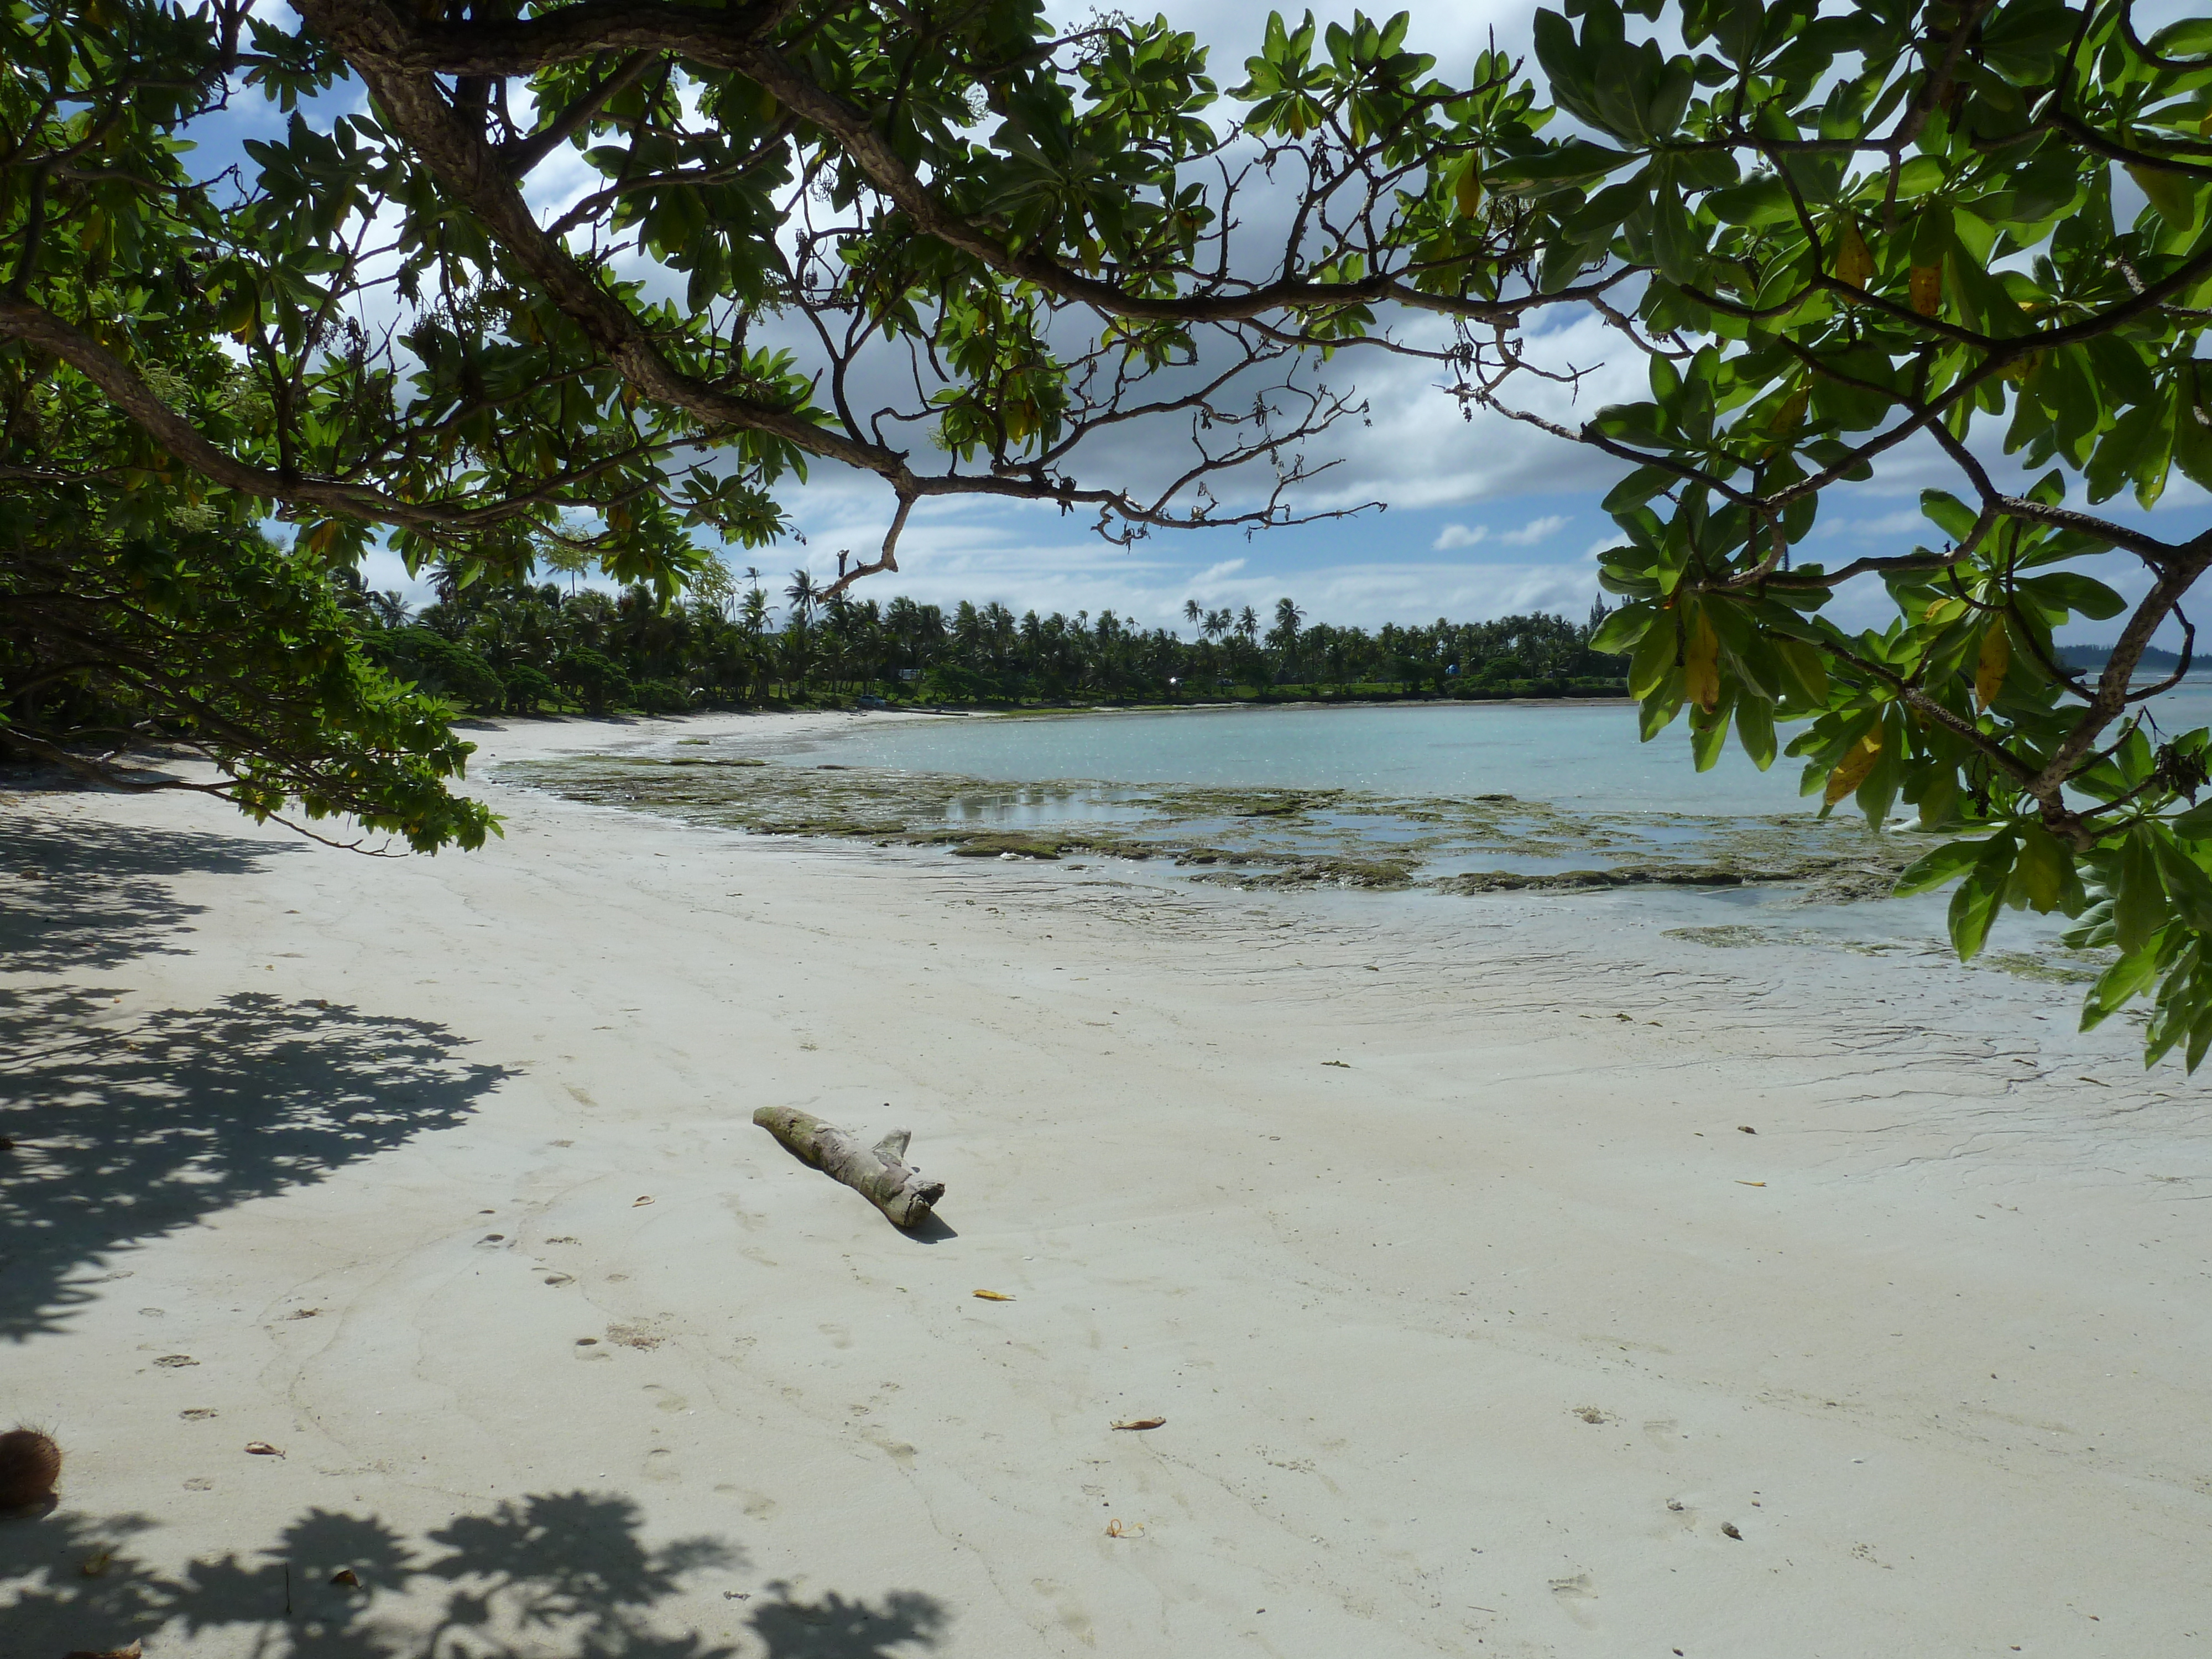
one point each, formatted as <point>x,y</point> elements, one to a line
<point>1575,1596</point>
<point>661,1465</point>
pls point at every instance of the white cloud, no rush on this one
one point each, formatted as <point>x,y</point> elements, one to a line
<point>1458,535</point>
<point>1536,529</point>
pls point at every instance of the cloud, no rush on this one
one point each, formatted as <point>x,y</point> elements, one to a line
<point>1458,535</point>
<point>1536,529</point>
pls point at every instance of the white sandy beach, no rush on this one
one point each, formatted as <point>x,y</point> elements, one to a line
<point>438,1175</point>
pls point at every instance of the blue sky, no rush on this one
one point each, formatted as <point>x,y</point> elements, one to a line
<point>1484,518</point>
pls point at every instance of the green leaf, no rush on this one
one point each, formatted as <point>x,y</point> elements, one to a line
<point>1708,736</point>
<point>2192,437</point>
<point>1637,488</point>
<point>2043,877</point>
<point>1622,629</point>
<point>2139,903</point>
<point>1764,200</point>
<point>1654,657</point>
<point>1932,870</point>
<point>1974,906</point>
<point>1948,514</point>
<point>2187,886</point>
<point>2123,979</point>
<point>1805,669</point>
<point>2062,590</point>
<point>1675,243</point>
<point>2170,193</point>
<point>2024,41</point>
<point>1575,162</point>
<point>2195,824</point>
<point>1878,793</point>
<point>1754,729</point>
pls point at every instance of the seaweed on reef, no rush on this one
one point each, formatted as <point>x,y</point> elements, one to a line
<point>1266,836</point>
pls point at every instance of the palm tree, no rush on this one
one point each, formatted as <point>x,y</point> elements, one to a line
<point>1248,623</point>
<point>802,594</point>
<point>1192,612</point>
<point>752,610</point>
<point>447,578</point>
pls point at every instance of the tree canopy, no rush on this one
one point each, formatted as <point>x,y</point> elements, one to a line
<point>951,249</point>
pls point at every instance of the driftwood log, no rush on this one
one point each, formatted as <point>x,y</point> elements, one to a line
<point>878,1173</point>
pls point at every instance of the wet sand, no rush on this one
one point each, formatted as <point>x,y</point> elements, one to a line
<point>1479,1323</point>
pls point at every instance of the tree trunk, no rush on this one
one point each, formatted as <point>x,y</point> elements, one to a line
<point>878,1173</point>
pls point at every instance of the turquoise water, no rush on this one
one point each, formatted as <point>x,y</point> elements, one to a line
<point>1579,755</point>
<point>1582,754</point>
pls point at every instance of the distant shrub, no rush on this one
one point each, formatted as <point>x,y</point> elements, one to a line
<point>948,682</point>
<point>528,689</point>
<point>439,667</point>
<point>598,683</point>
<point>660,698</point>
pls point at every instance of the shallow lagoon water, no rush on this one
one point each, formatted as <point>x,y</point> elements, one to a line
<point>1457,798</point>
<point>1445,801</point>
<point>1582,755</point>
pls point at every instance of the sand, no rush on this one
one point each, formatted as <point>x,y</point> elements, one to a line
<point>1478,1323</point>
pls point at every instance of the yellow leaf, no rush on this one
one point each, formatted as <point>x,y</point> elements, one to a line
<point>1701,672</point>
<point>1854,259</point>
<point>1927,290</point>
<point>1792,409</point>
<point>1468,191</point>
<point>1858,761</point>
<point>1990,670</point>
<point>2172,195</point>
<point>992,1296</point>
<point>1944,610</point>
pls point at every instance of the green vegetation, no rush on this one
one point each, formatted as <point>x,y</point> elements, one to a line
<point>522,650</point>
<point>138,608</point>
<point>1835,236</point>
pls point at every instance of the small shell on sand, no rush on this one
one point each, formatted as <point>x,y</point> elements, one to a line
<point>30,1463</point>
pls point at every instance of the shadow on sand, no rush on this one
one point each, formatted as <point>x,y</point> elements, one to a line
<point>126,1128</point>
<point>551,1575</point>
<point>77,896</point>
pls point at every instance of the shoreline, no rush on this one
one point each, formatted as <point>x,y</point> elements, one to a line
<point>1473,1314</point>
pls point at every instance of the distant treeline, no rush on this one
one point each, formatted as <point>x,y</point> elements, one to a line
<point>2154,659</point>
<point>531,649</point>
